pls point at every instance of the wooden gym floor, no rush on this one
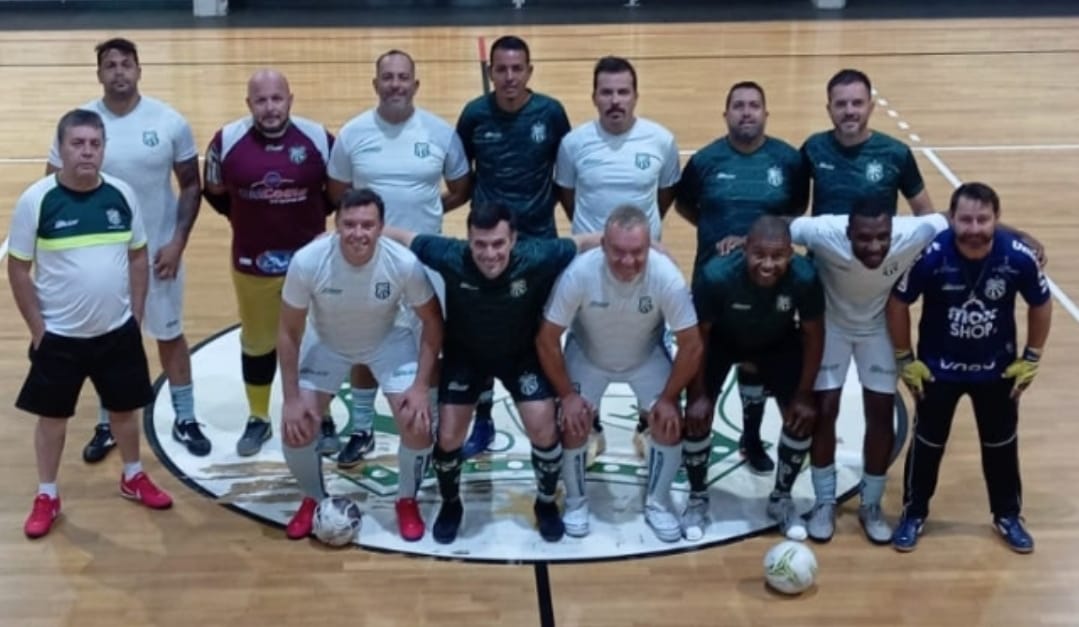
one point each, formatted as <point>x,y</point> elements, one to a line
<point>987,99</point>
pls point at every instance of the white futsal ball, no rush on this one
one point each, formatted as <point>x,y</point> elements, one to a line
<point>337,519</point>
<point>790,567</point>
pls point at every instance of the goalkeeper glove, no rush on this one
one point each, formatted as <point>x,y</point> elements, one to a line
<point>913,371</point>
<point>1023,370</point>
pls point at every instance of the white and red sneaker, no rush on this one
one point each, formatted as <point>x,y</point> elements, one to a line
<point>42,514</point>
<point>140,488</point>
<point>409,522</point>
<point>302,521</point>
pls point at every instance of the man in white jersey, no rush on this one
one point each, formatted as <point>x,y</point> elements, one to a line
<point>617,159</point>
<point>347,289</point>
<point>858,258</point>
<point>616,301</point>
<point>149,142</point>
<point>77,266</point>
<point>403,153</point>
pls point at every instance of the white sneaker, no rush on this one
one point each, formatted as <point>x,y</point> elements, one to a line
<point>695,518</point>
<point>875,526</point>
<point>663,522</point>
<point>575,518</point>
<point>781,509</point>
<point>820,523</point>
<point>597,444</point>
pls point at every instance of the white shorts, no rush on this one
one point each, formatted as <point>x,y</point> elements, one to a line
<point>872,354</point>
<point>394,363</point>
<point>164,318</point>
<point>646,380</point>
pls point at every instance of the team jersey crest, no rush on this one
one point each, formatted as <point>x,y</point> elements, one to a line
<point>643,160</point>
<point>422,149</point>
<point>113,216</point>
<point>995,288</point>
<point>539,132</point>
<point>382,290</point>
<point>518,288</point>
<point>783,303</point>
<point>297,154</point>
<point>149,138</point>
<point>644,305</point>
<point>775,176</point>
<point>874,172</point>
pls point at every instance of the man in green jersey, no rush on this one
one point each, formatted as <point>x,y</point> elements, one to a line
<point>496,287</point>
<point>724,187</point>
<point>511,137</point>
<point>853,163</point>
<point>761,307</point>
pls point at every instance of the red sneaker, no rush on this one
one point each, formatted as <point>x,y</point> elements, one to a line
<point>409,522</point>
<point>302,521</point>
<point>42,515</point>
<point>141,489</point>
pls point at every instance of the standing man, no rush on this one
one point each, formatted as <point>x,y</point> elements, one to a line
<point>617,159</point>
<point>496,286</point>
<point>969,277</point>
<point>859,258</point>
<point>403,153</point>
<point>78,270</point>
<point>852,162</point>
<point>762,307</point>
<point>267,174</point>
<point>511,136</point>
<point>724,188</point>
<point>149,143</point>
<point>351,286</point>
<point>617,300</point>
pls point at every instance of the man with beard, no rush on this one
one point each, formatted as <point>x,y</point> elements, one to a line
<point>496,286</point>
<point>763,305</point>
<point>724,188</point>
<point>512,136</point>
<point>852,162</point>
<point>403,153</point>
<point>347,290</point>
<point>148,144</point>
<point>969,277</point>
<point>267,174</point>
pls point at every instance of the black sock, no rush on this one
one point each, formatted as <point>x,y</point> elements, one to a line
<point>695,454</point>
<point>791,454</point>
<point>547,464</point>
<point>448,469</point>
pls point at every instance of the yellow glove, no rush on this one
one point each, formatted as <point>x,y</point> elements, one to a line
<point>913,371</point>
<point>1023,370</point>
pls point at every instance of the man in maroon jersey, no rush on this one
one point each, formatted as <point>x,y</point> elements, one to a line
<point>267,174</point>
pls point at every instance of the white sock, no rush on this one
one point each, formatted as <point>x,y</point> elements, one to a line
<point>131,469</point>
<point>48,489</point>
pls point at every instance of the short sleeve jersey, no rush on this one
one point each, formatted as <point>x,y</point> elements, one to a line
<point>276,189</point>
<point>967,331</point>
<point>877,170</point>
<point>618,324</point>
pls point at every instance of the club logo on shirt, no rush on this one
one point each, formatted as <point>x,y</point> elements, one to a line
<point>644,305</point>
<point>995,288</point>
<point>874,172</point>
<point>528,383</point>
<point>643,160</point>
<point>891,268</point>
<point>972,321</point>
<point>113,216</point>
<point>382,290</point>
<point>421,149</point>
<point>539,132</point>
<point>297,154</point>
<point>149,138</point>
<point>775,176</point>
<point>783,303</point>
<point>518,288</point>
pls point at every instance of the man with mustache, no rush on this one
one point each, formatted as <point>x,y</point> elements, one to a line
<point>267,174</point>
<point>727,185</point>
<point>403,153</point>
<point>852,162</point>
<point>512,135</point>
<point>148,144</point>
<point>968,278</point>
<point>762,305</point>
<point>347,290</point>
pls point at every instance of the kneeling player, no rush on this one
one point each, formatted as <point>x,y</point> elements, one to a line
<point>354,283</point>
<point>762,307</point>
<point>616,300</point>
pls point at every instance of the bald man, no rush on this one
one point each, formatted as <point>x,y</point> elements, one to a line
<point>267,174</point>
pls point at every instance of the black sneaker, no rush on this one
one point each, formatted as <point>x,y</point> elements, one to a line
<point>448,521</point>
<point>757,460</point>
<point>361,443</point>
<point>549,520</point>
<point>99,445</point>
<point>328,443</point>
<point>255,433</point>
<point>189,434</point>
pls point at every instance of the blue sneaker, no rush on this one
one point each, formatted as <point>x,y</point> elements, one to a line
<point>905,537</point>
<point>1014,534</point>
<point>482,436</point>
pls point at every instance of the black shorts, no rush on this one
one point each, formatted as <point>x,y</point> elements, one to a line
<point>115,363</point>
<point>464,377</point>
<point>779,365</point>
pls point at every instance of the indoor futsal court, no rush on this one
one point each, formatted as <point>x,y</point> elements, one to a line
<point>979,91</point>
